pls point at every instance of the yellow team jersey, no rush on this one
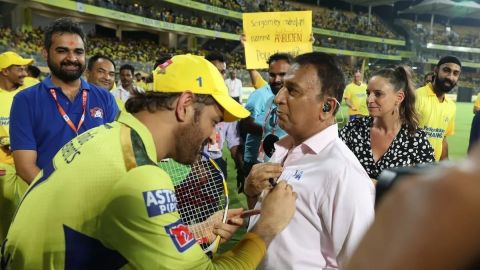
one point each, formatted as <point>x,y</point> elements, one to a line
<point>103,203</point>
<point>12,187</point>
<point>436,118</point>
<point>120,104</point>
<point>357,96</point>
<point>6,99</point>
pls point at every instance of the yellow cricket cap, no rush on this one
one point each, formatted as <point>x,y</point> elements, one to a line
<point>194,73</point>
<point>10,58</point>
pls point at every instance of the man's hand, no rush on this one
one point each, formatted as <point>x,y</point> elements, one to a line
<point>258,180</point>
<point>213,226</point>
<point>278,208</point>
<point>226,230</point>
<point>243,39</point>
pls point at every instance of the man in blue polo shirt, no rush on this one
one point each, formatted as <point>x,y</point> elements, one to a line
<point>262,120</point>
<point>46,116</point>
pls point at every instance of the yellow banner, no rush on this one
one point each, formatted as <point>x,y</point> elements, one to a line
<point>267,33</point>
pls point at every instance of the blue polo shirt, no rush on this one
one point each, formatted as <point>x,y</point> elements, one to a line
<point>36,123</point>
<point>259,104</point>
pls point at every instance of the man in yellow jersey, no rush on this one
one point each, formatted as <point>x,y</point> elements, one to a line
<point>436,111</point>
<point>103,203</point>
<point>12,75</point>
<point>355,96</point>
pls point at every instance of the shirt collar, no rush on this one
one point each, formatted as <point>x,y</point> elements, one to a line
<point>49,84</point>
<point>430,92</point>
<point>147,139</point>
<point>312,145</point>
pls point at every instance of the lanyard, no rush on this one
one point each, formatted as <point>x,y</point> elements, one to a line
<point>64,114</point>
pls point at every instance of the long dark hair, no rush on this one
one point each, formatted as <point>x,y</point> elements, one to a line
<point>401,78</point>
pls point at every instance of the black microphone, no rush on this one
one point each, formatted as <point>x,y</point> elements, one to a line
<point>269,144</point>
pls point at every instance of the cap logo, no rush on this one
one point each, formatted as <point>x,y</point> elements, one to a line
<point>163,67</point>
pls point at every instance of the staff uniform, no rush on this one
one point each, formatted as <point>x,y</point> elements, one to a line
<point>37,124</point>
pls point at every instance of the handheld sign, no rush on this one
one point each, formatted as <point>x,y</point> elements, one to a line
<point>267,33</point>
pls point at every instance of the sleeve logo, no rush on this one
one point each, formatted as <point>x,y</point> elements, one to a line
<point>96,112</point>
<point>181,236</point>
<point>159,202</point>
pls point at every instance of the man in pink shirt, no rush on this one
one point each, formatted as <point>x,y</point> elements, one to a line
<point>335,195</point>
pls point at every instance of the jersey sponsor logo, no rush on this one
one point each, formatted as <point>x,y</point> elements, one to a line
<point>437,133</point>
<point>159,202</point>
<point>96,112</point>
<point>181,236</point>
<point>4,121</point>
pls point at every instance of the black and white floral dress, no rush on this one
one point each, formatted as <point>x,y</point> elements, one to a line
<point>405,150</point>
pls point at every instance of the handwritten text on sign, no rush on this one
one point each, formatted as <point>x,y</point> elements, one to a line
<point>267,33</point>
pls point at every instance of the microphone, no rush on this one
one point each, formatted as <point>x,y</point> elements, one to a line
<point>269,144</point>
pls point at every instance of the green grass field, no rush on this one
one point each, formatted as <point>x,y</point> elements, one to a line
<point>458,144</point>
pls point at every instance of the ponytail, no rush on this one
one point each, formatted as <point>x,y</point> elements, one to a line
<point>401,78</point>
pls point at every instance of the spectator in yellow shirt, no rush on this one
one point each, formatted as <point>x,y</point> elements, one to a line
<point>356,97</point>
<point>12,75</point>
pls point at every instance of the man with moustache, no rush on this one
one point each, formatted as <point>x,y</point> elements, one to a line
<point>436,111</point>
<point>127,88</point>
<point>121,211</point>
<point>335,195</point>
<point>101,71</point>
<point>46,116</point>
<point>262,108</point>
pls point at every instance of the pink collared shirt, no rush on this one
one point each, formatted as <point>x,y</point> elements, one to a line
<point>334,205</point>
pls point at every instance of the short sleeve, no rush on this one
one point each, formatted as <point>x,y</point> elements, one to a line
<point>21,125</point>
<point>112,108</point>
<point>451,124</point>
<point>253,104</point>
